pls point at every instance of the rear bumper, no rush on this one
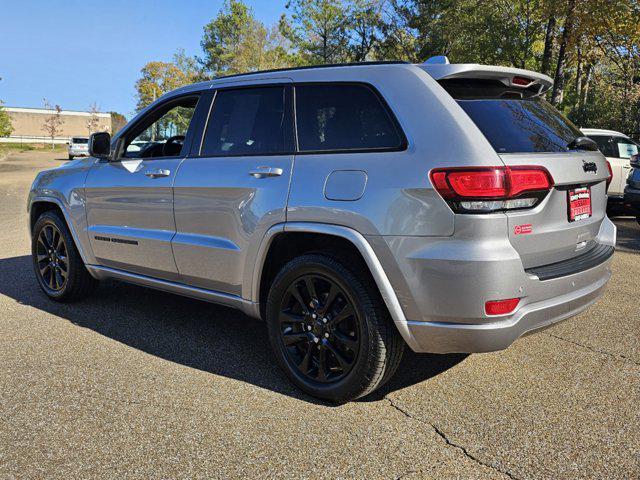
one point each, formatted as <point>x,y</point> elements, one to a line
<point>443,285</point>
<point>441,337</point>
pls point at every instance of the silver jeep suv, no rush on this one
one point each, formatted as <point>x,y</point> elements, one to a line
<point>355,208</point>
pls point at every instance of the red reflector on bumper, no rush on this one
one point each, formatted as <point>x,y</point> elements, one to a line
<point>501,307</point>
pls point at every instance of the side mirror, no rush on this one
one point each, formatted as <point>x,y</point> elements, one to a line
<point>100,145</point>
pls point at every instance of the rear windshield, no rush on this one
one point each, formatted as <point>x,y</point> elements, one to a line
<point>514,121</point>
<point>79,140</point>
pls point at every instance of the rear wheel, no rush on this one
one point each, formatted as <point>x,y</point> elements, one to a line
<point>330,331</point>
<point>56,261</point>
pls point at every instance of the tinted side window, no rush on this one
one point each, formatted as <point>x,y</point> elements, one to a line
<point>605,144</point>
<point>343,117</point>
<point>615,147</point>
<point>249,121</point>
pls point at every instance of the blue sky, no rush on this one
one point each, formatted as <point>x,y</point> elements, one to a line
<point>75,53</point>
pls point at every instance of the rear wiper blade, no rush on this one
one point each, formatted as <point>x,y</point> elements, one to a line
<point>582,143</point>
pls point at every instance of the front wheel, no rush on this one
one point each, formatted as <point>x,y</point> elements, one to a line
<point>56,261</point>
<point>330,330</point>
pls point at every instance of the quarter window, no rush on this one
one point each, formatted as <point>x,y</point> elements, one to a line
<point>343,117</point>
<point>249,121</point>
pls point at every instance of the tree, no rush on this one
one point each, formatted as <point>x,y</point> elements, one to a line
<point>118,121</point>
<point>318,30</point>
<point>235,42</point>
<point>6,128</point>
<point>157,79</point>
<point>52,125</point>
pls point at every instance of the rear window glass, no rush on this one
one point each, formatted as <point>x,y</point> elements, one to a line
<point>80,140</point>
<point>343,117</point>
<point>615,147</point>
<point>512,120</point>
<point>521,126</point>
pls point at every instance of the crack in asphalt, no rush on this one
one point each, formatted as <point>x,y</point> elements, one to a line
<point>449,442</point>
<point>617,356</point>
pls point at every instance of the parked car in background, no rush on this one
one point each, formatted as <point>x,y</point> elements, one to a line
<point>632,190</point>
<point>618,148</point>
<point>357,209</point>
<point>78,147</point>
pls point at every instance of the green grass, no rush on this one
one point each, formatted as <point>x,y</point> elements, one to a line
<point>17,147</point>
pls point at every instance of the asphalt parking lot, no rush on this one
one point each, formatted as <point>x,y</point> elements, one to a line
<point>134,383</point>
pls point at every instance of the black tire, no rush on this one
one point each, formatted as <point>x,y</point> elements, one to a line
<point>68,279</point>
<point>638,219</point>
<point>379,345</point>
<point>70,157</point>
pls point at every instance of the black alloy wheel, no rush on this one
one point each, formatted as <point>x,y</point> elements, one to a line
<point>329,328</point>
<point>52,258</point>
<point>60,271</point>
<point>319,328</point>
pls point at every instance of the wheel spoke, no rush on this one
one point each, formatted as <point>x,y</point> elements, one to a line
<point>311,289</point>
<point>45,269</point>
<point>342,315</point>
<point>59,279</point>
<point>345,339</point>
<point>304,366</point>
<point>63,273</point>
<point>48,235</point>
<point>322,364</point>
<point>296,294</point>
<point>41,257</point>
<point>344,364</point>
<point>59,243</point>
<point>293,338</point>
<point>331,297</point>
<point>52,278</point>
<point>288,317</point>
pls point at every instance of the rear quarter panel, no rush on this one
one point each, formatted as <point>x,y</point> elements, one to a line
<point>398,198</point>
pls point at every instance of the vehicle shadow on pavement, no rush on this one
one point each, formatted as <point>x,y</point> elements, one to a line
<point>201,335</point>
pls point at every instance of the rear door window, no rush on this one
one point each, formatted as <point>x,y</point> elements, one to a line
<point>513,120</point>
<point>337,117</point>
<point>249,121</point>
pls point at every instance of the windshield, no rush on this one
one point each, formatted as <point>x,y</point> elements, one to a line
<point>79,140</point>
<point>615,147</point>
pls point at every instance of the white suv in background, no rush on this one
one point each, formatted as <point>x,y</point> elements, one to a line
<point>618,148</point>
<point>78,147</point>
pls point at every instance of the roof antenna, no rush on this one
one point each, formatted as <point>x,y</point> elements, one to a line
<point>437,60</point>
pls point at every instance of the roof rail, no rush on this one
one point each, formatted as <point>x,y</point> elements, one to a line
<point>309,67</point>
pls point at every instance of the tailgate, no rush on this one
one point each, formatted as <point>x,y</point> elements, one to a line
<point>546,234</point>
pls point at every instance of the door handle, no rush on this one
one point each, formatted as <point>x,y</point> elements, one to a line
<point>263,172</point>
<point>160,172</point>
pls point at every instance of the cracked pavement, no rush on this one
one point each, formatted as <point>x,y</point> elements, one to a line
<point>134,383</point>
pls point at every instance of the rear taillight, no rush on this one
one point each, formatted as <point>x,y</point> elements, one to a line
<point>488,189</point>
<point>610,177</point>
